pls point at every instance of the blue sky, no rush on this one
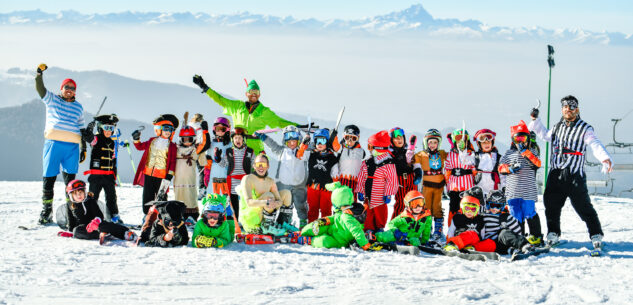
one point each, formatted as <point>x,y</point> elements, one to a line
<point>610,15</point>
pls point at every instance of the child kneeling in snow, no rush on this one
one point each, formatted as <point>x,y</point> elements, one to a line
<point>467,227</point>
<point>169,229</point>
<point>213,229</point>
<point>85,217</point>
<point>413,226</point>
<point>340,229</point>
<point>501,227</point>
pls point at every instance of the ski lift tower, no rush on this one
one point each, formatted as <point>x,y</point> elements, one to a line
<point>616,144</point>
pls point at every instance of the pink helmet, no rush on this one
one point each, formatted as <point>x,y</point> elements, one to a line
<point>222,120</point>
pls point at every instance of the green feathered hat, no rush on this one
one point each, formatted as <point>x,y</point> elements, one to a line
<point>342,195</point>
<point>252,85</point>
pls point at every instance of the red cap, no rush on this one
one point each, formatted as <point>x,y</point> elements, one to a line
<point>380,141</point>
<point>520,128</point>
<point>66,81</point>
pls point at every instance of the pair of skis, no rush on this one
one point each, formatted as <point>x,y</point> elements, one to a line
<point>263,239</point>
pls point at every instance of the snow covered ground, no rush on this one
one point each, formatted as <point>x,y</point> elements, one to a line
<point>37,267</point>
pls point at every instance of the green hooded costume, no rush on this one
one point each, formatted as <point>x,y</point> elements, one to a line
<point>218,237</point>
<point>418,229</point>
<point>341,228</point>
<point>253,120</point>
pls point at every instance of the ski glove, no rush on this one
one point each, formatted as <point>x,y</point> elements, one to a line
<point>87,134</point>
<point>386,199</point>
<point>417,173</point>
<point>361,197</point>
<point>399,235</point>
<point>534,113</point>
<point>514,167</point>
<point>41,67</point>
<point>306,139</point>
<point>82,152</point>
<point>197,79</point>
<point>125,144</point>
<point>136,135</point>
<point>217,155</point>
<point>204,125</point>
<point>323,221</point>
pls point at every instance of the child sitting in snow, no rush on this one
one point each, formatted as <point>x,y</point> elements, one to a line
<point>412,227</point>
<point>501,227</point>
<point>213,230</point>
<point>169,229</point>
<point>85,217</point>
<point>467,228</point>
<point>340,229</point>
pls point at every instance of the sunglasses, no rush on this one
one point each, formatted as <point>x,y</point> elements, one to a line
<point>71,88</point>
<point>253,92</point>
<point>261,164</point>
<point>320,141</point>
<point>351,138</point>
<point>108,127</point>
<point>486,137</point>
<point>212,215</point>
<point>470,208</point>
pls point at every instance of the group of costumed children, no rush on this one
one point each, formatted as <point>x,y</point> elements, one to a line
<point>339,192</point>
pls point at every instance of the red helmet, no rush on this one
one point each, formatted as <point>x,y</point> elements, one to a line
<point>75,185</point>
<point>238,131</point>
<point>519,128</point>
<point>485,134</point>
<point>380,141</point>
<point>187,131</point>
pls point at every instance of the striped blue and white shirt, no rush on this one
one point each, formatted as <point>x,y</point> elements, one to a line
<point>63,115</point>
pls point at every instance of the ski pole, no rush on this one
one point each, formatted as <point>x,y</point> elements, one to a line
<point>131,160</point>
<point>551,64</point>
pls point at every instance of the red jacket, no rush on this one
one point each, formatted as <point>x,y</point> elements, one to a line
<point>172,153</point>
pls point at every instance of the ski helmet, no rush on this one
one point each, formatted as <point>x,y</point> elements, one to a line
<point>75,185</point>
<point>485,135</point>
<point>214,207</point>
<point>380,141</point>
<point>342,195</point>
<point>351,130</point>
<point>412,200</point>
<point>456,135</point>
<point>322,133</point>
<point>359,211</point>
<point>432,134</point>
<point>222,121</point>
<point>520,133</point>
<point>291,132</point>
<point>471,204</point>
<point>496,200</point>
<point>106,122</point>
<point>167,122</point>
<point>238,131</point>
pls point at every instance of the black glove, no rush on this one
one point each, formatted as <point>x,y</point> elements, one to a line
<point>41,68</point>
<point>534,113</point>
<point>86,134</point>
<point>82,155</point>
<point>306,139</point>
<point>417,173</point>
<point>478,177</point>
<point>333,135</point>
<point>197,79</point>
<point>413,140</point>
<point>125,144</point>
<point>91,126</point>
<point>177,239</point>
<point>217,154</point>
<point>168,177</point>
<point>204,125</point>
<point>136,135</point>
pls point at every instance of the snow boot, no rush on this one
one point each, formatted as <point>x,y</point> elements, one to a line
<point>269,226</point>
<point>535,240</point>
<point>285,214</point>
<point>47,210</point>
<point>93,225</point>
<point>450,247</point>
<point>527,248</point>
<point>130,236</point>
<point>596,241</point>
<point>552,238</point>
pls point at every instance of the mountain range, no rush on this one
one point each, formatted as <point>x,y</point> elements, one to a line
<point>414,20</point>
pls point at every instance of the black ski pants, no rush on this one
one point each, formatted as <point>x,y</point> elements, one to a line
<point>113,229</point>
<point>508,239</point>
<point>106,183</point>
<point>561,184</point>
<point>150,190</point>
<point>49,184</point>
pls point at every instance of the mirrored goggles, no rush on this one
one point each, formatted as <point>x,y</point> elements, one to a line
<point>168,128</point>
<point>469,207</point>
<point>321,141</point>
<point>398,132</point>
<point>486,137</point>
<point>520,138</point>
<point>261,164</point>
<point>419,202</point>
<point>291,135</point>
<point>212,215</point>
<point>108,127</point>
<point>496,205</point>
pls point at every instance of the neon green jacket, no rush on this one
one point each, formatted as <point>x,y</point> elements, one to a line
<point>342,230</point>
<point>222,233</point>
<point>261,117</point>
<point>418,231</point>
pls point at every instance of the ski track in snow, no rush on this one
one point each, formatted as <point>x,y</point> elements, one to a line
<point>40,268</point>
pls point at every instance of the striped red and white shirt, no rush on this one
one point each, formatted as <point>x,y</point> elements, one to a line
<point>459,183</point>
<point>385,181</point>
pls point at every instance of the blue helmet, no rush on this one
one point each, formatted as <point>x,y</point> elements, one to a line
<point>322,133</point>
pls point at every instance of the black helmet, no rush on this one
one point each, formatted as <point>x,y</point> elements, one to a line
<point>351,130</point>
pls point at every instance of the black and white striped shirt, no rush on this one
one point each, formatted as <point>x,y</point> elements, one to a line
<point>494,223</point>
<point>523,183</point>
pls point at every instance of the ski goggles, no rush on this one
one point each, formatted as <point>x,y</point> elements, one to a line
<point>187,139</point>
<point>470,207</point>
<point>397,132</point>
<point>416,202</point>
<point>291,135</point>
<point>485,137</point>
<point>569,103</point>
<point>167,128</point>
<point>350,137</point>
<point>212,215</point>
<point>108,127</point>
<point>496,205</point>
<point>261,164</point>
<point>320,141</point>
<point>253,92</point>
<point>71,88</point>
<point>520,138</point>
<point>219,128</point>
<point>458,137</point>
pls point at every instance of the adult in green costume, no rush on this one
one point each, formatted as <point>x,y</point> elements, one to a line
<point>250,114</point>
<point>212,230</point>
<point>412,227</point>
<point>338,230</point>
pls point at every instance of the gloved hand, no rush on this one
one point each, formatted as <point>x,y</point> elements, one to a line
<point>515,167</point>
<point>217,154</point>
<point>399,235</point>
<point>409,155</point>
<point>87,134</point>
<point>93,225</point>
<point>520,147</point>
<point>360,196</point>
<point>478,177</point>
<point>534,113</point>
<point>386,199</point>
<point>168,177</point>
<point>204,125</point>
<point>306,139</point>
<point>90,127</point>
<point>177,237</point>
<point>261,136</point>
<point>197,79</point>
<point>417,173</point>
<point>41,68</point>
<point>82,155</point>
<point>136,135</point>
<point>125,144</point>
